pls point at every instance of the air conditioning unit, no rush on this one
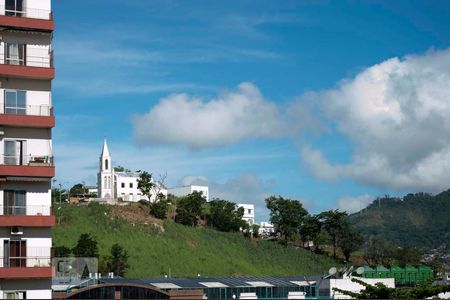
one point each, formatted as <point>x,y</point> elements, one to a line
<point>16,230</point>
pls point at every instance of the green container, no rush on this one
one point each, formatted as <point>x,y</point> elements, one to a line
<point>382,272</point>
<point>411,274</point>
<point>368,272</point>
<point>397,273</point>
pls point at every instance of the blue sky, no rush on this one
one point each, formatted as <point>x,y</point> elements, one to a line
<point>256,98</point>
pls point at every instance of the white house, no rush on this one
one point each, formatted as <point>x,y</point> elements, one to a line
<point>249,213</point>
<point>121,185</point>
<point>181,191</point>
<point>266,228</point>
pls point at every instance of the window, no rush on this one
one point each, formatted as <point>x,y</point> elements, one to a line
<point>14,202</point>
<point>15,102</point>
<point>249,211</point>
<point>131,185</point>
<point>15,152</point>
<point>15,54</point>
<point>122,184</point>
<point>15,253</point>
<point>106,164</point>
<point>13,8</point>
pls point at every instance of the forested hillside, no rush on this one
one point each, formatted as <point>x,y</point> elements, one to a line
<point>417,219</point>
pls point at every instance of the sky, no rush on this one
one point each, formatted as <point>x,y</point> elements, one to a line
<point>332,103</point>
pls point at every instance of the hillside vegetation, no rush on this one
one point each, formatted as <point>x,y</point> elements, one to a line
<point>418,219</point>
<point>155,247</point>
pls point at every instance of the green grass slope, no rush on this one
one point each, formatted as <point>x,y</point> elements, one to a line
<point>418,219</point>
<point>186,251</point>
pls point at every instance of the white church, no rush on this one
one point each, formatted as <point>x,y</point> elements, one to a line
<point>121,185</point>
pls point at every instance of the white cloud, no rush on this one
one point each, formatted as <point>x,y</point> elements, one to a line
<point>232,117</point>
<point>396,115</point>
<point>352,204</point>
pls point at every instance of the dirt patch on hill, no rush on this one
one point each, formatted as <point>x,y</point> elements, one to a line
<point>136,214</point>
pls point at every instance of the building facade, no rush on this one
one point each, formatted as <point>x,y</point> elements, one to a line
<point>249,213</point>
<point>26,161</point>
<point>122,185</point>
<point>181,191</point>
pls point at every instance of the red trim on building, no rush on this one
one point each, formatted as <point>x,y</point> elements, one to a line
<point>27,171</point>
<point>23,273</point>
<point>27,221</point>
<point>27,23</point>
<point>27,72</point>
<point>27,121</point>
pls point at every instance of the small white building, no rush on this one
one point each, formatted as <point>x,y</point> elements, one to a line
<point>266,228</point>
<point>181,191</point>
<point>326,286</point>
<point>122,185</point>
<point>249,213</point>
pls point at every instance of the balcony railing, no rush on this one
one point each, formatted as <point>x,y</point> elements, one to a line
<point>35,257</point>
<point>27,160</point>
<point>43,61</point>
<point>25,210</point>
<point>34,13</point>
<point>27,110</point>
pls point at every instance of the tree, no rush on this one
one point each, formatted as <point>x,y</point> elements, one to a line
<point>310,229</point>
<point>286,215</point>
<point>380,291</point>
<point>145,183</point>
<point>160,207</point>
<point>409,255</point>
<point>118,261</point>
<point>62,251</point>
<point>255,230</point>
<point>59,194</point>
<point>333,222</point>
<point>225,215</point>
<point>189,209</point>
<point>78,190</point>
<point>378,251</point>
<point>349,240</point>
<point>86,246</point>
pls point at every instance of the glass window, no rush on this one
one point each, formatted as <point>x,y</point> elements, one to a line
<point>15,54</point>
<point>14,202</point>
<point>15,102</point>
<point>131,185</point>
<point>122,184</point>
<point>13,8</point>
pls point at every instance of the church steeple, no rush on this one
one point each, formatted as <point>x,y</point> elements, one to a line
<point>105,151</point>
<point>106,174</point>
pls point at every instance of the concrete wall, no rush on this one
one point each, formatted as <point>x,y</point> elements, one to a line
<point>249,213</point>
<point>181,191</point>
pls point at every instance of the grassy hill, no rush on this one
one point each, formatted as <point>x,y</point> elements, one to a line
<point>416,219</point>
<point>186,251</point>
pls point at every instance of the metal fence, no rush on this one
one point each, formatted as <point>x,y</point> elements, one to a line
<point>28,257</point>
<point>26,210</point>
<point>29,110</point>
<point>26,160</point>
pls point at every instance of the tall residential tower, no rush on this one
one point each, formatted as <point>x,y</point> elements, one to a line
<point>26,161</point>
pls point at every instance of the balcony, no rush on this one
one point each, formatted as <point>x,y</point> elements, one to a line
<point>27,116</point>
<point>30,67</point>
<point>27,166</point>
<point>27,216</point>
<point>28,18</point>
<point>29,262</point>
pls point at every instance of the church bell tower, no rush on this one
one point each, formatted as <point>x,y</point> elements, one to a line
<point>105,175</point>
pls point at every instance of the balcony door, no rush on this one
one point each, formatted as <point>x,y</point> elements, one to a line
<point>15,152</point>
<point>15,54</point>
<point>15,102</point>
<point>15,253</point>
<point>14,8</point>
<point>14,202</point>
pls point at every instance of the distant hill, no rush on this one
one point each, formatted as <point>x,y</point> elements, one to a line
<point>185,250</point>
<point>418,219</point>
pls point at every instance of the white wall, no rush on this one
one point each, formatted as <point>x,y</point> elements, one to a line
<point>39,9</point>
<point>132,193</point>
<point>348,285</point>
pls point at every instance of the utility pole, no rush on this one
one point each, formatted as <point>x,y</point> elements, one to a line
<point>59,208</point>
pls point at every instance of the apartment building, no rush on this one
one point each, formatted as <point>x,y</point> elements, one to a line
<point>26,161</point>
